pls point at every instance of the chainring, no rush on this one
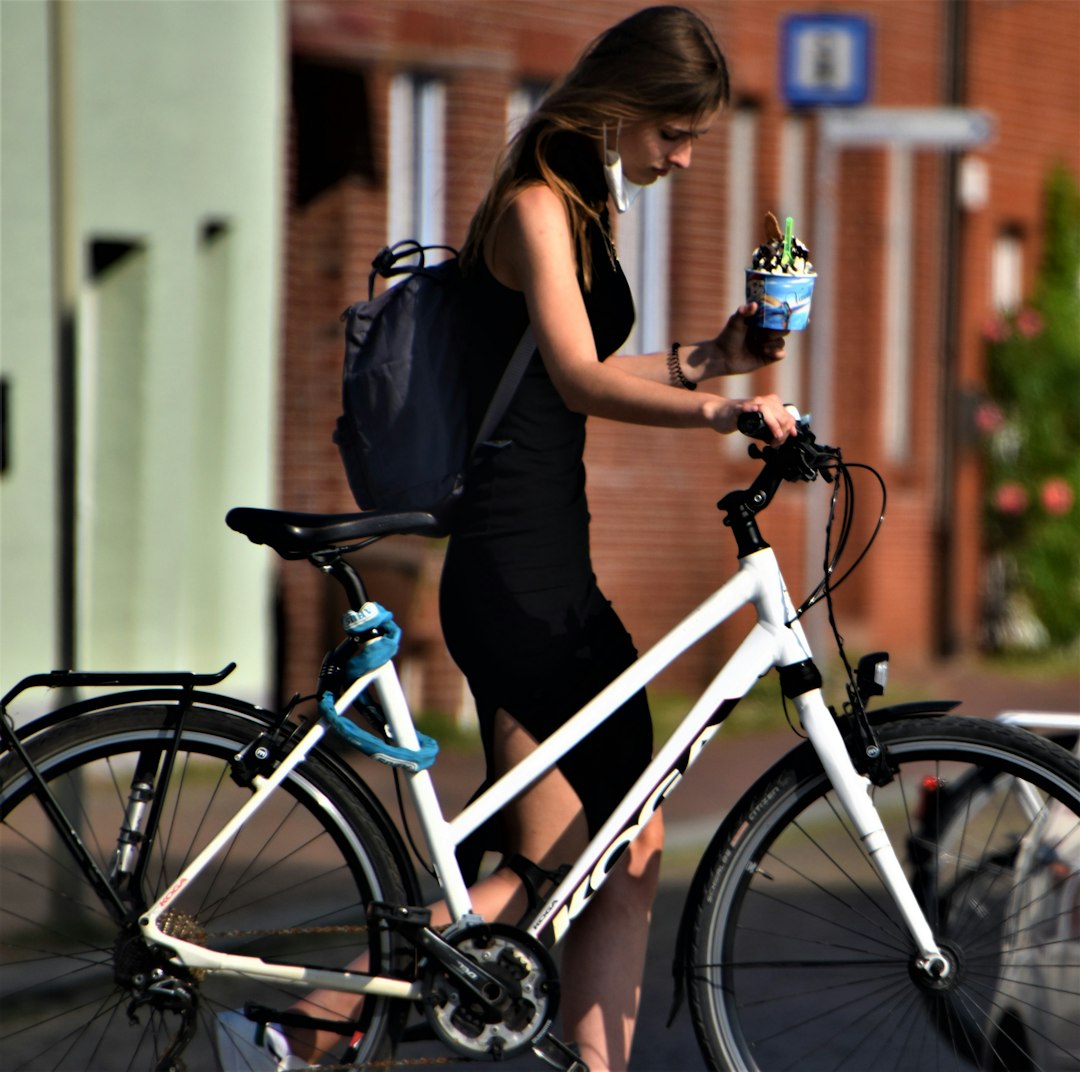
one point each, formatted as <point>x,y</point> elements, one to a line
<point>476,1028</point>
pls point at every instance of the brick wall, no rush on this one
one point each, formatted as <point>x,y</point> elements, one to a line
<point>657,539</point>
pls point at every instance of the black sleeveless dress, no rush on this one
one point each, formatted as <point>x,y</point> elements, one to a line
<point>521,611</point>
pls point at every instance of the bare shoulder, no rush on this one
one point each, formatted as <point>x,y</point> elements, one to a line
<point>537,200</point>
<point>533,230</point>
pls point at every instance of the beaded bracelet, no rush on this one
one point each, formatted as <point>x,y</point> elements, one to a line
<point>678,377</point>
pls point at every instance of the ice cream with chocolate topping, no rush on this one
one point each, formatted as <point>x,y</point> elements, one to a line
<point>781,278</point>
<point>781,252</point>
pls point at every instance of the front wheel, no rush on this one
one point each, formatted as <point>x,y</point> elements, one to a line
<point>78,990</point>
<point>798,958</point>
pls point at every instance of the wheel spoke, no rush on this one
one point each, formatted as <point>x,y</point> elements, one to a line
<point>292,885</point>
<point>801,951</point>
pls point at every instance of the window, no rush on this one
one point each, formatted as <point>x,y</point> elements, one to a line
<point>642,236</point>
<point>521,104</point>
<point>110,449</point>
<point>417,171</point>
<point>643,244</point>
<point>743,234</point>
<point>897,343</point>
<point>212,407</point>
<point>5,425</point>
<point>333,127</point>
<point>1007,272</point>
<point>790,384</point>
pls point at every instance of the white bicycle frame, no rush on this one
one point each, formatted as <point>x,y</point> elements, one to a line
<point>776,640</point>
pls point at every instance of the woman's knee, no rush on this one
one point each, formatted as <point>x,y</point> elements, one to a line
<point>646,849</point>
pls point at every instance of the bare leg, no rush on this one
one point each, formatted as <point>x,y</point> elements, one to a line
<point>604,957</point>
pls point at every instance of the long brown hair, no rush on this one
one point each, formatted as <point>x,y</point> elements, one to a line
<point>659,63</point>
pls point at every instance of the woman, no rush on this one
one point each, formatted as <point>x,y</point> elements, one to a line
<point>521,611</point>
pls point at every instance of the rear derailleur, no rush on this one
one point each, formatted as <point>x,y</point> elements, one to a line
<point>153,981</point>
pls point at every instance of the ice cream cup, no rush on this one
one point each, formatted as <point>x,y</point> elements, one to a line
<point>783,300</point>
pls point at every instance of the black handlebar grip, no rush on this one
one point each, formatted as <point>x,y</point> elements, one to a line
<point>753,424</point>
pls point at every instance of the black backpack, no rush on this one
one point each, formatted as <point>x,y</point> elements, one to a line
<point>403,435</point>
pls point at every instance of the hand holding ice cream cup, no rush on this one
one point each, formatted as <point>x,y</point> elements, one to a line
<point>780,279</point>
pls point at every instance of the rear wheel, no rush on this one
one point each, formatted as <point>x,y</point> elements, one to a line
<point>798,957</point>
<point>293,885</point>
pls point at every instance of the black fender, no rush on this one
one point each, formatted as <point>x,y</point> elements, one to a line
<point>261,718</point>
<point>915,709</point>
<point>800,754</point>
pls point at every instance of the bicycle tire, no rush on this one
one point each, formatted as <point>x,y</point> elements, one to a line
<point>796,954</point>
<point>292,885</point>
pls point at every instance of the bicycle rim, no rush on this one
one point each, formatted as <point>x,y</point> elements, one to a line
<point>799,958</point>
<point>293,885</point>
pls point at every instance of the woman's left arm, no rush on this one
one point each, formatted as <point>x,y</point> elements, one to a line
<point>740,347</point>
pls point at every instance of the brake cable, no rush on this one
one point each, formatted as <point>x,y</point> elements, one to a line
<point>801,459</point>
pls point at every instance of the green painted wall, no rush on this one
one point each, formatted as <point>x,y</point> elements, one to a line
<point>160,171</point>
<point>28,593</point>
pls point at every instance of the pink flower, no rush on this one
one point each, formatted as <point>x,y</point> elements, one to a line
<point>1029,323</point>
<point>988,417</point>
<point>995,329</point>
<point>1057,496</point>
<point>1011,499</point>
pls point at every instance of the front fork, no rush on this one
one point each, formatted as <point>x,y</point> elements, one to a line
<point>854,791</point>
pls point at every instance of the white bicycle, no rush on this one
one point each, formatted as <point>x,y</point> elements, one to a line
<point>170,853</point>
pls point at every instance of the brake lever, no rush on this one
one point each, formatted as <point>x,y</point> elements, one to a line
<point>800,457</point>
<point>797,460</point>
<point>827,471</point>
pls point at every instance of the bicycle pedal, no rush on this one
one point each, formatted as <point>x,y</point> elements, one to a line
<point>559,1054</point>
<point>263,1015</point>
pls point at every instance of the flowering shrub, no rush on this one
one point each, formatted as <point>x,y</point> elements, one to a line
<point>1030,425</point>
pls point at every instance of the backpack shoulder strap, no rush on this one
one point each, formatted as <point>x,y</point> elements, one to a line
<point>504,393</point>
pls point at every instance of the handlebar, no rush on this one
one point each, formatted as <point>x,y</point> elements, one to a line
<point>798,458</point>
<point>753,426</point>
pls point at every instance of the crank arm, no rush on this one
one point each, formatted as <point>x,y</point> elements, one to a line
<point>412,924</point>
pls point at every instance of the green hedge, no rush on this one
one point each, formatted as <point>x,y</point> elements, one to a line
<point>1031,428</point>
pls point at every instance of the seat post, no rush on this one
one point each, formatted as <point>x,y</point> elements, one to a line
<point>332,564</point>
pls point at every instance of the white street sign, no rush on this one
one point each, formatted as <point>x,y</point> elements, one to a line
<point>942,128</point>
